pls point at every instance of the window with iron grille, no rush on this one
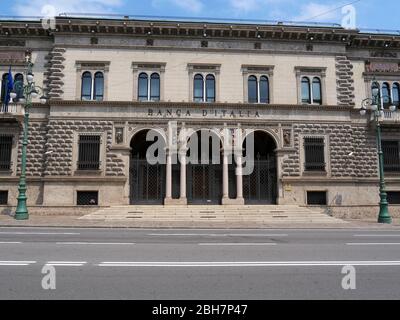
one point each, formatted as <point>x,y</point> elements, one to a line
<point>393,197</point>
<point>314,151</point>
<point>5,151</point>
<point>87,198</point>
<point>391,156</point>
<point>316,198</point>
<point>89,152</point>
<point>4,197</point>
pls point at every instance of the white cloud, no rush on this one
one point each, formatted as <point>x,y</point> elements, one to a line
<point>35,7</point>
<point>317,12</point>
<point>195,6</point>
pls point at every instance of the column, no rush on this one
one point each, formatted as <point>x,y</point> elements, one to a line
<point>225,177</point>
<point>168,187</point>
<point>182,188</point>
<point>239,177</point>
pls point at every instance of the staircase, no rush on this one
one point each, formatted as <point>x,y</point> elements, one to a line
<point>206,215</point>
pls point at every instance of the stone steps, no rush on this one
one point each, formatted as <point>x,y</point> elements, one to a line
<point>212,214</point>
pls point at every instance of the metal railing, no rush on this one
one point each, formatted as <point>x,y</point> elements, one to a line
<point>89,152</point>
<point>391,156</point>
<point>314,150</point>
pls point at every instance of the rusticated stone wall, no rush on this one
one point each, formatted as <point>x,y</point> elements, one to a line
<point>344,81</point>
<point>35,149</point>
<point>352,150</point>
<point>60,139</point>
<point>55,73</point>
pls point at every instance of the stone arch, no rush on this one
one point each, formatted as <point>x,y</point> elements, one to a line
<point>146,175</point>
<point>260,174</point>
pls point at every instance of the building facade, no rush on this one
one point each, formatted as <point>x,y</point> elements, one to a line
<point>296,90</point>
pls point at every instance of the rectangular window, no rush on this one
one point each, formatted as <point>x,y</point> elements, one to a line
<point>393,197</point>
<point>314,150</point>
<point>89,152</point>
<point>5,151</point>
<point>391,156</point>
<point>4,197</point>
<point>316,198</point>
<point>87,198</point>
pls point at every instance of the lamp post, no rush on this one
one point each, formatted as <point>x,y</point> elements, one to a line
<point>375,104</point>
<point>24,93</point>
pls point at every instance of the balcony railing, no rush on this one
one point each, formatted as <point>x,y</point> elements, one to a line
<point>11,112</point>
<point>391,117</point>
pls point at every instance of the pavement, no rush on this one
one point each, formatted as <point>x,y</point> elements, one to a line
<point>74,221</point>
<point>109,263</point>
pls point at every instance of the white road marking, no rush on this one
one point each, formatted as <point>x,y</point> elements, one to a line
<point>377,235</point>
<point>372,243</point>
<point>9,242</point>
<point>218,234</point>
<point>237,244</point>
<point>40,233</point>
<point>16,263</point>
<point>66,263</point>
<point>96,243</point>
<point>246,263</point>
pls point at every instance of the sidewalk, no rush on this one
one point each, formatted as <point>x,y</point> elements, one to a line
<point>69,221</point>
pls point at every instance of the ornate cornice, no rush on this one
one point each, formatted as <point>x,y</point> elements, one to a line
<point>200,30</point>
<point>196,105</point>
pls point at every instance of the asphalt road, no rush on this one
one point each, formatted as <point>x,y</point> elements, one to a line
<point>198,264</point>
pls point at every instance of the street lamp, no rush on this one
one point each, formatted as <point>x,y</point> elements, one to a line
<point>23,94</point>
<point>376,106</point>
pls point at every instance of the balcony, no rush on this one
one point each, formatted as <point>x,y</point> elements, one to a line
<point>14,112</point>
<point>390,118</point>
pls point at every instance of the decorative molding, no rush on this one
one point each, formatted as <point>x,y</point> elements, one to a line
<point>196,105</point>
<point>204,67</point>
<point>151,66</point>
<point>93,65</point>
<point>314,71</point>
<point>259,69</point>
<point>372,67</point>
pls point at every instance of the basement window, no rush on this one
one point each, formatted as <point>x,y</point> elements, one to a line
<point>393,197</point>
<point>4,197</point>
<point>317,198</point>
<point>87,198</point>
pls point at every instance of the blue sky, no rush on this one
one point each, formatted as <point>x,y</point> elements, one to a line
<point>376,14</point>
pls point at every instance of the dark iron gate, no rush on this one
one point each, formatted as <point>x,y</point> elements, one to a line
<point>260,187</point>
<point>147,182</point>
<point>204,183</point>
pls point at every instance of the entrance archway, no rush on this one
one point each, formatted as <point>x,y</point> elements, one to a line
<point>147,181</point>
<point>204,168</point>
<point>260,186</point>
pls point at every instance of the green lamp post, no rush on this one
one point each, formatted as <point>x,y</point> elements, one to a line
<point>23,93</point>
<point>376,106</point>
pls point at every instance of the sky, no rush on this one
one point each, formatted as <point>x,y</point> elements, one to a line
<point>369,14</point>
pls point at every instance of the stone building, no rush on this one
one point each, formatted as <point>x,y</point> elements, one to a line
<point>296,89</point>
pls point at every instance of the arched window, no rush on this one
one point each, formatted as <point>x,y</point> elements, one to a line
<point>316,91</point>
<point>396,94</point>
<point>210,88</point>
<point>98,86</point>
<point>252,89</point>
<point>3,86</point>
<point>305,90</point>
<point>20,89</point>
<point>198,88</point>
<point>143,87</point>
<point>386,94</point>
<point>264,89</point>
<point>86,93</point>
<point>155,87</point>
